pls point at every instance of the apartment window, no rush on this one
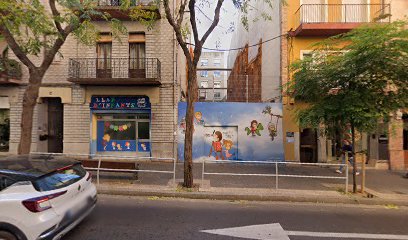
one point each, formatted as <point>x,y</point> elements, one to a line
<point>217,84</point>
<point>204,73</point>
<point>217,95</point>
<point>204,62</point>
<point>217,74</point>
<point>137,54</point>
<point>217,62</point>
<point>104,54</point>
<point>204,84</point>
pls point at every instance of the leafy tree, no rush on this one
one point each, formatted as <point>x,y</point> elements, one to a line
<point>182,25</point>
<point>36,34</point>
<point>357,79</point>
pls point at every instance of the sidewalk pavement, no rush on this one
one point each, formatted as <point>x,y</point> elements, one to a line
<point>383,187</point>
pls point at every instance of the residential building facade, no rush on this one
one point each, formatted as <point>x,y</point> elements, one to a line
<point>211,77</point>
<point>308,22</point>
<point>117,97</point>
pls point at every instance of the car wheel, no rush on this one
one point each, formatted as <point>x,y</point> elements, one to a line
<point>7,236</point>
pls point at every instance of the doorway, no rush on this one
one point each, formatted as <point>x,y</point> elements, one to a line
<point>308,145</point>
<point>55,125</point>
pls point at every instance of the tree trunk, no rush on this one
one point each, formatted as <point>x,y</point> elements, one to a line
<point>29,102</point>
<point>188,141</point>
<point>353,153</point>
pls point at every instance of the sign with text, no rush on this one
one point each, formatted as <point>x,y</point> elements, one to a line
<point>119,103</point>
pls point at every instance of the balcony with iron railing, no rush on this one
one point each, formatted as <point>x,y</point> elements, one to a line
<point>333,19</point>
<point>115,71</point>
<point>10,71</point>
<point>116,8</point>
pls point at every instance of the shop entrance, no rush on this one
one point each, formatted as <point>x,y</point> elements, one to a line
<point>125,133</point>
<point>55,125</point>
<point>121,125</point>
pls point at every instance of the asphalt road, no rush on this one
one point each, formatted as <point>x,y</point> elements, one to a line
<point>119,218</point>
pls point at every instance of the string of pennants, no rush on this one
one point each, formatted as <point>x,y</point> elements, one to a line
<point>119,128</point>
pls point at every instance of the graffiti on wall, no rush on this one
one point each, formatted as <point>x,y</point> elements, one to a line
<point>223,131</point>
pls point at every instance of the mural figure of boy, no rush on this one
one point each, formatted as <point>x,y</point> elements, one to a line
<point>216,145</point>
<point>199,118</point>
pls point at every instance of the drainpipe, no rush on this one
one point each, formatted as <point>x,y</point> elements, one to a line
<point>175,74</point>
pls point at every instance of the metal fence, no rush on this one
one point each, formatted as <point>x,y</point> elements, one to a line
<point>100,159</point>
<point>238,88</point>
<point>276,174</point>
<point>343,13</point>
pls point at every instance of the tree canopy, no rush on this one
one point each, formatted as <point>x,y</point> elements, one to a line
<point>356,78</point>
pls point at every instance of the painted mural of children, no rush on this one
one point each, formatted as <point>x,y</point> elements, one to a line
<point>127,144</point>
<point>144,147</point>
<point>255,128</point>
<point>216,145</point>
<point>199,118</point>
<point>105,140</point>
<point>119,147</point>
<point>183,125</point>
<point>114,145</point>
<point>228,145</point>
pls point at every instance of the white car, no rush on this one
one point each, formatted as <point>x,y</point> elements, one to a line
<point>42,197</point>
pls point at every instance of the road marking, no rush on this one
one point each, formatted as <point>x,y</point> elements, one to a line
<point>261,232</point>
<point>347,235</point>
<point>274,231</point>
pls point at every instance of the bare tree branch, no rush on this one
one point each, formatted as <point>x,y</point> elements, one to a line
<point>15,47</point>
<point>193,22</point>
<point>177,30</point>
<point>56,14</point>
<point>181,13</point>
<point>214,23</point>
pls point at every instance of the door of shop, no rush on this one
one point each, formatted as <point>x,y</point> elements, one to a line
<point>55,125</point>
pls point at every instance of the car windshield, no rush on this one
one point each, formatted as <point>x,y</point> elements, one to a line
<point>60,178</point>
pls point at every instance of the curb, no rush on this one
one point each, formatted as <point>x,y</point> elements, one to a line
<point>251,197</point>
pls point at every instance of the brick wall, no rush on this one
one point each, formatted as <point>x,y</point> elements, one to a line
<point>237,80</point>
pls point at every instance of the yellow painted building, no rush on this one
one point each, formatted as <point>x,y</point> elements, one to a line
<point>308,22</point>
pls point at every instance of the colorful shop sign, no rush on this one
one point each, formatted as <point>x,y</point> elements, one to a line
<point>119,103</point>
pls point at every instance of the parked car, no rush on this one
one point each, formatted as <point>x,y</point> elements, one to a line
<point>43,197</point>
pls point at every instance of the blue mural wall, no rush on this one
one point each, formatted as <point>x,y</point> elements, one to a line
<point>234,131</point>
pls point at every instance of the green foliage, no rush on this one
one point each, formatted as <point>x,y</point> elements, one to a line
<point>147,15</point>
<point>357,78</point>
<point>10,67</point>
<point>35,28</point>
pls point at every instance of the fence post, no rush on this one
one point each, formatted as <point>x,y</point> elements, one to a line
<point>97,171</point>
<point>174,171</point>
<point>247,92</point>
<point>276,176</point>
<point>347,176</point>
<point>202,173</point>
<point>363,172</point>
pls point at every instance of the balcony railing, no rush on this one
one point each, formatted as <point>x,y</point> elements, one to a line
<point>10,71</point>
<point>115,70</point>
<point>343,13</point>
<point>333,19</point>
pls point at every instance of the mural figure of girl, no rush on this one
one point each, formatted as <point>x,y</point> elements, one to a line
<point>216,145</point>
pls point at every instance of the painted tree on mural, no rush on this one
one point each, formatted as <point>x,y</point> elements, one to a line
<point>36,34</point>
<point>357,79</point>
<point>181,26</point>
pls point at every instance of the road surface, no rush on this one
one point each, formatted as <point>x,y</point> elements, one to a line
<point>121,217</point>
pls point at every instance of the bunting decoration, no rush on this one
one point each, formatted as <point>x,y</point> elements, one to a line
<point>119,128</point>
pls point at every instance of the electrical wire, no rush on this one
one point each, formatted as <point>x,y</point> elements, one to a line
<point>240,48</point>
